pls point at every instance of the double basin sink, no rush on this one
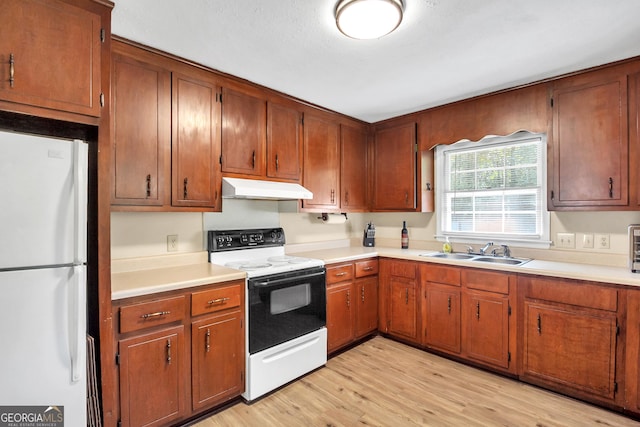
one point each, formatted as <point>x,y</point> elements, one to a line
<point>478,258</point>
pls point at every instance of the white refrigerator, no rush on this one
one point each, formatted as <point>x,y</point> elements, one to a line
<point>43,223</point>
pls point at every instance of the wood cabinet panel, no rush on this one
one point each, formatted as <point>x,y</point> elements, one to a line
<point>141,131</point>
<point>244,130</point>
<point>441,274</point>
<point>485,317</point>
<point>573,348</point>
<point>321,164</point>
<point>340,316</point>
<point>632,352</point>
<point>491,281</point>
<point>217,359</point>
<point>64,37</point>
<point>367,267</point>
<point>217,299</point>
<point>196,143</point>
<point>152,313</point>
<point>441,317</point>
<point>590,140</point>
<point>394,171</point>
<point>403,308</point>
<point>339,273</point>
<point>573,292</point>
<point>152,378</point>
<point>284,146</point>
<point>353,168</point>
<point>366,298</point>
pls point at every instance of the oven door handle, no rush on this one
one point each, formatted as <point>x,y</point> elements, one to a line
<point>277,282</point>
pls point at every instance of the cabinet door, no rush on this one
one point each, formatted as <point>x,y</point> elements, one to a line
<point>632,352</point>
<point>339,316</point>
<point>590,141</point>
<point>486,322</point>
<point>50,55</point>
<point>196,143</point>
<point>353,168</point>
<point>217,359</point>
<point>441,314</point>
<point>283,142</point>
<point>321,163</point>
<point>152,378</point>
<point>243,133</point>
<point>141,134</point>
<point>403,309</point>
<point>394,172</point>
<point>366,296</point>
<point>572,348</point>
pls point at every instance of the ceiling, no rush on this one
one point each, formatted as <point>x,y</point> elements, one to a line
<point>443,51</point>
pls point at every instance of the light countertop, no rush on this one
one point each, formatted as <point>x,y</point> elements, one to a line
<point>127,284</point>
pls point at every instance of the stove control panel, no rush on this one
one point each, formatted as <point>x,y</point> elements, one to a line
<point>227,240</point>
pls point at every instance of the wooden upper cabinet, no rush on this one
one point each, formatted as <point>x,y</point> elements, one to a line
<point>353,168</point>
<point>284,146</point>
<point>394,171</point>
<point>590,140</point>
<point>50,53</point>
<point>321,173</point>
<point>634,136</point>
<point>196,143</point>
<point>243,133</point>
<point>141,132</point>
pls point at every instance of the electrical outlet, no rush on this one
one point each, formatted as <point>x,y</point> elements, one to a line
<point>587,241</point>
<point>566,240</point>
<point>172,243</point>
<point>602,241</point>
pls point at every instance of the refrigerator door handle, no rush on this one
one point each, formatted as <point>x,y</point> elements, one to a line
<point>76,321</point>
<point>80,176</point>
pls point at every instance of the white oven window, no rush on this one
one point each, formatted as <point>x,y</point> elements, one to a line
<point>290,298</point>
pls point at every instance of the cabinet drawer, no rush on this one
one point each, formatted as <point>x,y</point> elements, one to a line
<point>573,292</point>
<point>403,269</point>
<point>152,313</point>
<point>339,273</point>
<point>216,299</point>
<point>485,280</point>
<point>366,268</point>
<point>441,274</point>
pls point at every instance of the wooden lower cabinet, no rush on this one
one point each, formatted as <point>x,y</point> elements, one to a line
<point>352,302</point>
<point>153,368</point>
<point>441,307</point>
<point>570,338</point>
<point>399,305</point>
<point>179,353</point>
<point>632,352</point>
<point>217,360</point>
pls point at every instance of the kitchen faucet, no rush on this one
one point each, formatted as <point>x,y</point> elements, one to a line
<point>485,247</point>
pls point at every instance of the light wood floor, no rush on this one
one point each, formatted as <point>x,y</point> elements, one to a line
<point>385,383</point>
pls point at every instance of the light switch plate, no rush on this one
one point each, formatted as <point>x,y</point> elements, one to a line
<point>587,240</point>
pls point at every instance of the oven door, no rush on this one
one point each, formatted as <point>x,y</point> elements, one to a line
<point>285,306</point>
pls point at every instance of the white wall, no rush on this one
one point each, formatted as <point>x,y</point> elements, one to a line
<point>138,234</point>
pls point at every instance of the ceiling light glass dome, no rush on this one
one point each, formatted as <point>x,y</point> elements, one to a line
<point>368,19</point>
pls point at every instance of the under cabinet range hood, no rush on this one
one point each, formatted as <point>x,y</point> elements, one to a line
<point>237,188</point>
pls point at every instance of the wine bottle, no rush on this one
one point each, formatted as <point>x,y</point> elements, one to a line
<point>405,236</point>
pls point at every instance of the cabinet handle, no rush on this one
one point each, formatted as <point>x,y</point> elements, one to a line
<point>348,298</point>
<point>253,159</point>
<point>156,314</point>
<point>406,296</point>
<point>449,305</point>
<point>406,197</point>
<point>185,192</point>
<point>610,188</point>
<point>539,325</point>
<point>478,310</point>
<point>12,69</point>
<point>148,185</point>
<point>207,340</point>
<point>344,273</point>
<point>169,351</point>
<point>333,196</point>
<point>218,301</point>
<point>362,292</point>
<point>346,198</point>
<point>367,268</point>
<point>277,162</point>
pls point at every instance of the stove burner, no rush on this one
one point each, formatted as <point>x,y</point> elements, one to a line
<point>248,266</point>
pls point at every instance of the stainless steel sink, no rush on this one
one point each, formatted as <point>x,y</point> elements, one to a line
<point>449,255</point>
<point>501,260</point>
<point>478,258</point>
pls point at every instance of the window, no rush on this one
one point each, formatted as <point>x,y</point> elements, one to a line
<point>494,189</point>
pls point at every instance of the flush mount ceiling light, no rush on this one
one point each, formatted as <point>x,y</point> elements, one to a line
<point>368,19</point>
